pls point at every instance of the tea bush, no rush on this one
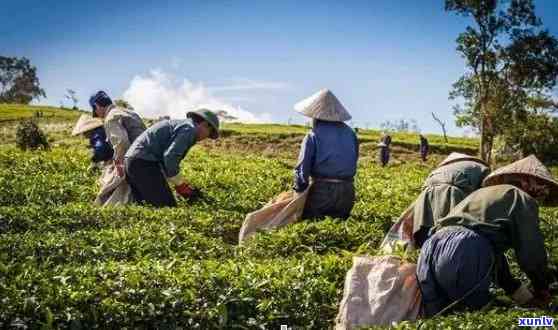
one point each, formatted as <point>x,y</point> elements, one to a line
<point>67,264</point>
<point>30,136</point>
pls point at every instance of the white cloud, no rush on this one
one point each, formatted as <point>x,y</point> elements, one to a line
<point>248,84</point>
<point>160,94</point>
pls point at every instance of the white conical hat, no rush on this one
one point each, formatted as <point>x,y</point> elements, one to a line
<point>323,106</point>
<point>86,123</point>
<point>528,166</point>
<point>458,157</point>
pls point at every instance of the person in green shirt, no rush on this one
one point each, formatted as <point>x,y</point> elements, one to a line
<point>455,178</point>
<point>466,251</point>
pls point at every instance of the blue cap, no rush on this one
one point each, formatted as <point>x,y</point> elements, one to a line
<point>101,98</point>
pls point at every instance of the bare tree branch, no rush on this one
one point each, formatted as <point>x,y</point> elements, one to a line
<point>442,124</point>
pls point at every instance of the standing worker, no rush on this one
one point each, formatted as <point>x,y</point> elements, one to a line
<point>384,146</point>
<point>154,157</point>
<point>456,265</point>
<point>328,155</point>
<point>424,147</point>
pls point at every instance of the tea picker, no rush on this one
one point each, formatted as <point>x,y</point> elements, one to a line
<point>153,160</point>
<point>92,129</point>
<point>471,240</point>
<point>328,156</point>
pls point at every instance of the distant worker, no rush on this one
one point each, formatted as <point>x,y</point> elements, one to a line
<point>122,126</point>
<point>328,157</point>
<point>424,147</point>
<point>92,129</point>
<point>154,157</point>
<point>384,145</point>
<point>466,252</point>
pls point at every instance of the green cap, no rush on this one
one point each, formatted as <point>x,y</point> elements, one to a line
<point>209,117</point>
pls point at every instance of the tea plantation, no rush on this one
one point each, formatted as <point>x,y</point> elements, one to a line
<point>67,264</point>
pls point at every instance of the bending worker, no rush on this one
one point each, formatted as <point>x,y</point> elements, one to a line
<point>122,126</point>
<point>328,155</point>
<point>458,262</point>
<point>455,178</point>
<point>154,158</point>
<point>92,129</point>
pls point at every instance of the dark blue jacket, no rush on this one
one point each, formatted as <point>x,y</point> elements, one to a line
<point>330,150</point>
<point>102,150</point>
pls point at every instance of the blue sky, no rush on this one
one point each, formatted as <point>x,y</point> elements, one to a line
<point>384,60</point>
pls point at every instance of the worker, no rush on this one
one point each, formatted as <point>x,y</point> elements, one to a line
<point>92,129</point>
<point>458,262</point>
<point>384,146</point>
<point>154,157</point>
<point>456,177</point>
<point>424,147</point>
<point>328,158</point>
<point>122,126</point>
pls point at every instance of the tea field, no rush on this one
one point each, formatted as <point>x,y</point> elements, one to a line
<point>67,264</point>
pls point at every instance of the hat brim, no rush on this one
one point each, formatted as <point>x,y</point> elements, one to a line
<point>471,159</point>
<point>214,131</point>
<point>551,200</point>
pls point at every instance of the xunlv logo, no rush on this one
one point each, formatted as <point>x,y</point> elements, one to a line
<point>542,321</point>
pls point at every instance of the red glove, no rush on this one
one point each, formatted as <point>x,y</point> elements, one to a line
<point>541,300</point>
<point>184,190</point>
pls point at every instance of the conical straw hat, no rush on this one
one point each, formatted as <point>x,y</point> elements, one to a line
<point>528,166</point>
<point>458,157</point>
<point>86,123</point>
<point>323,106</point>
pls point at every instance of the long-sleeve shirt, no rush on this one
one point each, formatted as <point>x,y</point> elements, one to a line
<point>122,127</point>
<point>509,218</point>
<point>102,150</point>
<point>330,150</point>
<point>444,188</point>
<point>167,142</point>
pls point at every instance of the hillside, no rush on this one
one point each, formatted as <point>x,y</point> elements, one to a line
<point>67,264</point>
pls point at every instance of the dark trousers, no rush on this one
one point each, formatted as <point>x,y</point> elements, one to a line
<point>334,199</point>
<point>149,184</point>
<point>452,262</point>
<point>384,156</point>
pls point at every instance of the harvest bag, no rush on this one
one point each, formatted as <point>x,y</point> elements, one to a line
<point>378,291</point>
<point>282,210</point>
<point>114,189</point>
<point>401,233</point>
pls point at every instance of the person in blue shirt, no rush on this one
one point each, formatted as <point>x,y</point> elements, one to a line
<point>328,158</point>
<point>102,150</point>
<point>92,129</point>
<point>384,146</point>
<point>154,157</point>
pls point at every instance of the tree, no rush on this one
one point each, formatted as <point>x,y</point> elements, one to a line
<point>534,131</point>
<point>509,58</point>
<point>443,125</point>
<point>71,95</point>
<point>18,81</point>
<point>123,104</point>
